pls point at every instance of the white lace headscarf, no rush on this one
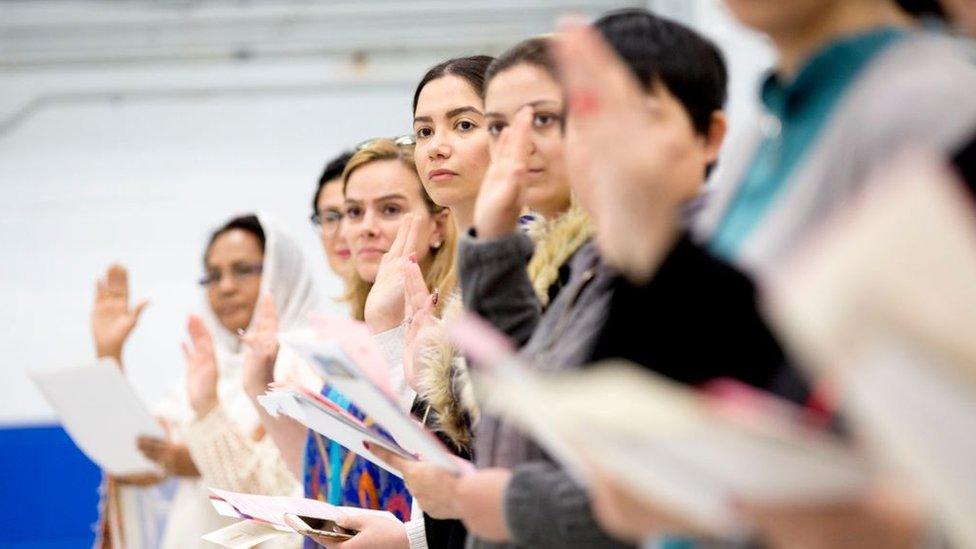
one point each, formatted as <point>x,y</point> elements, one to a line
<point>287,276</point>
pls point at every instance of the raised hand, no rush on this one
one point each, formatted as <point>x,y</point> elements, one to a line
<point>629,517</point>
<point>626,184</point>
<point>112,319</point>
<point>261,347</point>
<point>385,304</point>
<point>201,367</point>
<point>420,307</point>
<point>501,197</point>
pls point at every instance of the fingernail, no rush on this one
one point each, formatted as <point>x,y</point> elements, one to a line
<point>240,331</point>
<point>436,296</point>
<point>366,445</point>
<point>413,257</point>
<point>583,103</point>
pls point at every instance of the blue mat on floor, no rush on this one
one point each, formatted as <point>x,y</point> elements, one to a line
<point>49,488</point>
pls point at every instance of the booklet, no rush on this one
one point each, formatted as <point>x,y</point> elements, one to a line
<point>263,517</point>
<point>882,303</point>
<point>350,361</point>
<point>693,451</point>
<point>325,417</point>
<point>102,414</point>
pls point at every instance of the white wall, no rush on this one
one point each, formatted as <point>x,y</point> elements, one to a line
<point>143,181</point>
<point>136,162</point>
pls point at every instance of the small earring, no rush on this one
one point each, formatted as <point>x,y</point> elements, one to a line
<point>437,245</point>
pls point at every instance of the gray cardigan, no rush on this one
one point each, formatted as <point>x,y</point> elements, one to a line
<point>544,507</point>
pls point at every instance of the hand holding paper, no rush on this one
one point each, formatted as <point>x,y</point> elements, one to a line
<point>89,398</point>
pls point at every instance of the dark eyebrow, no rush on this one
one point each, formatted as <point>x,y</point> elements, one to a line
<point>394,196</point>
<point>536,103</point>
<point>450,114</point>
<point>461,110</point>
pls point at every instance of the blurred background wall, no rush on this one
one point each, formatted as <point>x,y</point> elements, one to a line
<point>130,128</point>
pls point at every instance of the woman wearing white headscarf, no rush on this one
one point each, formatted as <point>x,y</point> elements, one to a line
<point>215,435</point>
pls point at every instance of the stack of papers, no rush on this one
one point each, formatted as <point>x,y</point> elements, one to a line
<point>325,417</point>
<point>350,362</point>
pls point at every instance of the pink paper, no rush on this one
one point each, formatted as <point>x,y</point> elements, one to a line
<point>272,509</point>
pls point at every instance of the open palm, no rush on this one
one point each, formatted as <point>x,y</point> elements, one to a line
<point>112,318</point>
<point>261,346</point>
<point>201,367</point>
<point>384,304</point>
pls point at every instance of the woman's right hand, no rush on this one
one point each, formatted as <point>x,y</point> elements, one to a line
<point>384,304</point>
<point>261,347</point>
<point>112,319</point>
<point>201,368</point>
<point>502,197</point>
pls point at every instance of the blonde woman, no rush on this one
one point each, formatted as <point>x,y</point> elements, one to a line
<point>390,225</point>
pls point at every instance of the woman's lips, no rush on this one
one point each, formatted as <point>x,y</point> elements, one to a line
<point>370,253</point>
<point>230,309</point>
<point>437,176</point>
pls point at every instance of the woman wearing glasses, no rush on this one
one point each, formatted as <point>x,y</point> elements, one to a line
<point>215,434</point>
<point>327,213</point>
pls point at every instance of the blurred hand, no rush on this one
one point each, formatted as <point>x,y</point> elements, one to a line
<point>385,305</point>
<point>373,532</point>
<point>622,182</point>
<point>201,368</point>
<point>881,519</point>
<point>112,319</point>
<point>480,502</point>
<point>629,517</point>
<point>501,196</point>
<point>420,314</point>
<point>173,457</point>
<point>261,347</point>
<point>434,487</point>
<point>139,479</point>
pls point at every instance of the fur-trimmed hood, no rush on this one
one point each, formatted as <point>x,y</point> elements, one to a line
<point>442,378</point>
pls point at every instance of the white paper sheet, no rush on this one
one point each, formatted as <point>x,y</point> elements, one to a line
<point>243,535</point>
<point>102,414</point>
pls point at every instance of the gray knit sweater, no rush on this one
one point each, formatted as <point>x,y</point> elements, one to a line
<point>544,507</point>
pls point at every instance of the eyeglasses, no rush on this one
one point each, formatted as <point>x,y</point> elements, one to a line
<point>327,220</point>
<point>238,273</point>
<point>405,140</point>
